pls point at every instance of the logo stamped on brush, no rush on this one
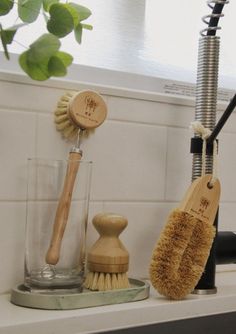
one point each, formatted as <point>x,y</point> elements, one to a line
<point>201,200</point>
<point>204,203</point>
<point>202,208</point>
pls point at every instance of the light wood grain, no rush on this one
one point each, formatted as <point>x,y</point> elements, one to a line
<point>87,109</point>
<point>108,254</point>
<point>63,209</point>
<point>201,200</point>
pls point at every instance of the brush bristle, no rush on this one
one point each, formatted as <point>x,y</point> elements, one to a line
<point>180,255</point>
<point>68,128</point>
<point>106,281</point>
<point>61,118</point>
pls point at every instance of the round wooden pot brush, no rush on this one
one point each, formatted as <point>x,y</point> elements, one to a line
<point>181,253</point>
<point>108,260</point>
<point>75,113</point>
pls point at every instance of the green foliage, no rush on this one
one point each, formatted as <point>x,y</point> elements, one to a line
<point>83,12</point>
<point>48,3</point>
<point>28,10</point>
<point>61,21</point>
<point>78,32</point>
<point>43,58</point>
<point>7,36</point>
<point>5,6</point>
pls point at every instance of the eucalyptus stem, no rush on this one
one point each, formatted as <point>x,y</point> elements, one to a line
<point>19,43</point>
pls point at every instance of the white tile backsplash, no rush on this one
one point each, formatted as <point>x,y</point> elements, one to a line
<point>227,166</point>
<point>41,99</point>
<point>227,221</point>
<point>141,166</point>
<point>129,161</point>
<point>17,137</point>
<point>150,112</point>
<point>49,141</point>
<point>12,240</point>
<point>179,163</point>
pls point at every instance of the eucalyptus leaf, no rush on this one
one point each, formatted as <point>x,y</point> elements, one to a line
<point>65,57</point>
<point>6,6</point>
<point>5,49</point>
<point>82,11</point>
<point>9,33</point>
<point>28,10</point>
<point>43,48</point>
<point>74,13</point>
<point>48,3</point>
<point>78,33</point>
<point>4,42</point>
<point>7,36</point>
<point>36,71</point>
<point>40,63</point>
<point>61,22</point>
<point>56,67</point>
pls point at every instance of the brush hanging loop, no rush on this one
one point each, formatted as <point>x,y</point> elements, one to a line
<point>205,133</point>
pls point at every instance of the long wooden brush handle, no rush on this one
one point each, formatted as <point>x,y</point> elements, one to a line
<point>63,208</point>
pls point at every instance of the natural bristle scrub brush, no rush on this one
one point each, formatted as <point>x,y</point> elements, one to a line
<point>181,253</point>
<point>108,259</point>
<point>85,110</point>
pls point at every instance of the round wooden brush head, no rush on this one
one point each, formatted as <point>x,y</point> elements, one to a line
<point>83,110</point>
<point>87,109</point>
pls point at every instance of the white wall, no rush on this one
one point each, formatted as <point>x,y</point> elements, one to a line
<point>142,163</point>
<point>151,37</point>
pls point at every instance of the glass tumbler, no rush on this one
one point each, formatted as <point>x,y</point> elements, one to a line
<point>46,183</point>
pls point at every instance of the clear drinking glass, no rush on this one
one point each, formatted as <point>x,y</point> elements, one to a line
<point>45,185</point>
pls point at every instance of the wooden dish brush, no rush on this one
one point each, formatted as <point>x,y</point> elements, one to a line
<point>75,113</point>
<point>84,110</point>
<point>181,253</point>
<point>108,260</point>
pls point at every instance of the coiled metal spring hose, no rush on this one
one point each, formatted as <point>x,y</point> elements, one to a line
<point>207,78</point>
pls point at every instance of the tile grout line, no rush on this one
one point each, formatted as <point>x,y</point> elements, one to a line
<point>166,162</point>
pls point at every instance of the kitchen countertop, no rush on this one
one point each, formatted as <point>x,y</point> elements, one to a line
<point>154,310</point>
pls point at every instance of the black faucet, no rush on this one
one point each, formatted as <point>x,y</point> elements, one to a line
<point>223,250</point>
<point>224,246</point>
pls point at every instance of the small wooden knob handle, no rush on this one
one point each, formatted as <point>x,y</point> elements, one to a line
<point>109,224</point>
<point>108,254</point>
<point>63,208</point>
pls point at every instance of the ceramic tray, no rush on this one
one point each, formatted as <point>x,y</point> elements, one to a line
<point>65,301</point>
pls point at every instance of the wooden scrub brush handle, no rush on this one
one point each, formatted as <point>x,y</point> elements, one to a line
<point>108,254</point>
<point>63,209</point>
